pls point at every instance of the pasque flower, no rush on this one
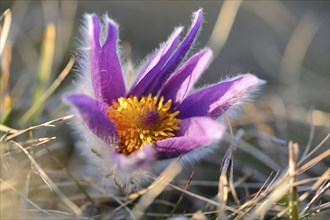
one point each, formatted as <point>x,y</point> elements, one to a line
<point>157,117</point>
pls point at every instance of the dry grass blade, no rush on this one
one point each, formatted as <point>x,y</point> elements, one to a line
<point>5,186</point>
<point>45,68</point>
<point>8,184</point>
<point>317,184</point>
<point>320,180</point>
<point>37,141</point>
<point>55,214</point>
<point>282,188</point>
<point>231,177</point>
<point>28,145</point>
<point>46,124</point>
<point>202,198</point>
<point>311,136</point>
<point>49,91</point>
<point>6,129</point>
<point>223,25</point>
<point>314,161</point>
<point>5,30</point>
<point>270,185</point>
<point>278,193</point>
<point>223,191</point>
<point>182,195</point>
<point>27,185</point>
<point>316,210</point>
<point>316,198</point>
<point>118,200</point>
<point>73,207</point>
<point>319,118</point>
<point>226,175</point>
<point>297,47</point>
<point>199,215</point>
<point>158,186</point>
<point>67,184</point>
<point>6,100</point>
<point>261,156</point>
<point>5,67</point>
<point>223,187</point>
<point>269,138</point>
<point>161,177</point>
<point>246,207</point>
<point>314,150</point>
<point>72,176</point>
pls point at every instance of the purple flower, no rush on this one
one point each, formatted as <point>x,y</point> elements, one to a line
<point>158,117</point>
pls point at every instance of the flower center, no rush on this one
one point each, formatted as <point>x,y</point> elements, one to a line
<point>143,121</point>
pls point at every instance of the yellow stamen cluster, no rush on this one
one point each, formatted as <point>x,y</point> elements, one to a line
<point>143,121</point>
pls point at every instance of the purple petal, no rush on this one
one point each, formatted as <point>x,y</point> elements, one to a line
<point>196,132</point>
<point>178,55</point>
<point>139,159</point>
<point>152,82</point>
<point>93,114</point>
<point>178,86</point>
<point>106,74</point>
<point>155,64</point>
<point>185,45</point>
<point>212,101</point>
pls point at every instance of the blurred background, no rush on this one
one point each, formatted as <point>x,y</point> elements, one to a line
<point>283,42</point>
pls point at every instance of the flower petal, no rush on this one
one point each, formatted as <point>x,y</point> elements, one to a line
<point>154,79</point>
<point>178,86</point>
<point>178,55</point>
<point>106,74</point>
<point>185,45</point>
<point>155,64</point>
<point>139,159</point>
<point>92,113</point>
<point>212,101</point>
<point>196,132</point>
